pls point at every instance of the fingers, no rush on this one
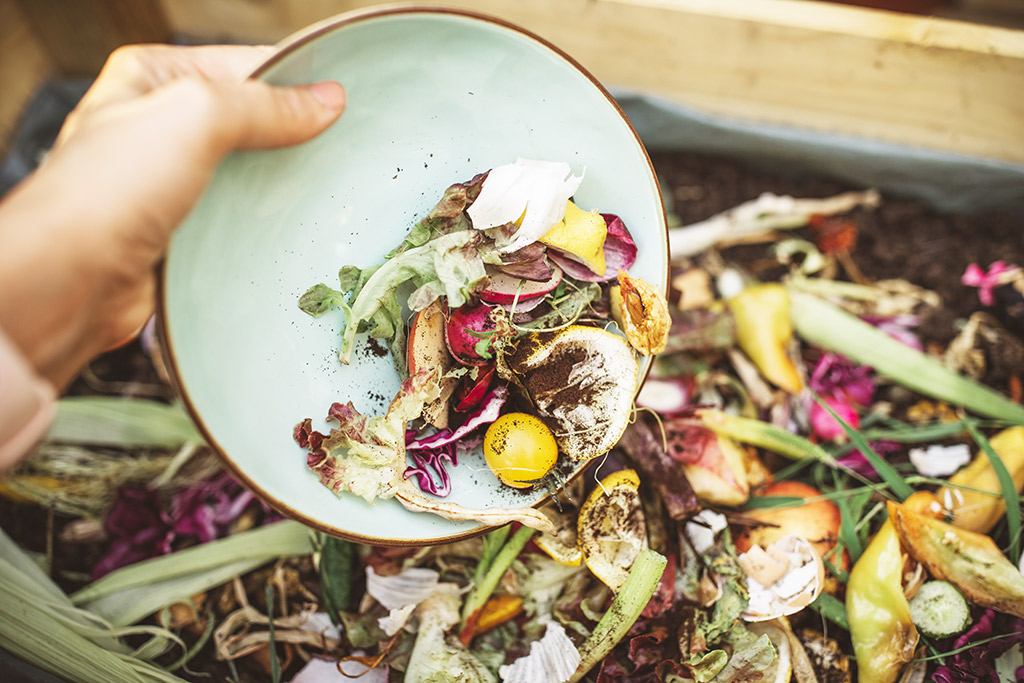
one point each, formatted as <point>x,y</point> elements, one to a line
<point>275,117</point>
<point>134,70</point>
<point>251,114</point>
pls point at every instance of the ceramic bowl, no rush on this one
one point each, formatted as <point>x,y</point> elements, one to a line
<point>434,97</point>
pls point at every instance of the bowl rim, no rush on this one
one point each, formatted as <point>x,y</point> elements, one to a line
<point>283,49</point>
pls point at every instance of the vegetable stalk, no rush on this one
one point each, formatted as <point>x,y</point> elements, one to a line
<point>828,326</point>
<point>486,584</point>
<point>640,585</point>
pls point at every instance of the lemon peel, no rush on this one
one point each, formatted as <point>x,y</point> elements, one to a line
<point>581,381</point>
<point>611,529</point>
<point>580,234</point>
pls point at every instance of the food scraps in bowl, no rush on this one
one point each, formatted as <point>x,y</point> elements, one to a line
<point>511,288</point>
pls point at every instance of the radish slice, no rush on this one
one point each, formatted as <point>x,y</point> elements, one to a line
<point>469,332</point>
<point>470,394</point>
<point>502,288</point>
<point>524,305</point>
<point>664,396</point>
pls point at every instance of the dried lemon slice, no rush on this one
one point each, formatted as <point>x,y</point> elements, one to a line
<point>581,381</point>
<point>642,313</point>
<point>561,545</point>
<point>611,530</point>
<point>559,550</point>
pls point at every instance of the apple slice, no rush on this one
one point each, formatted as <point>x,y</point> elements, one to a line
<point>502,288</point>
<point>426,348</point>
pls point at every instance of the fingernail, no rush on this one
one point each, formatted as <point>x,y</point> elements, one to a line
<point>330,94</point>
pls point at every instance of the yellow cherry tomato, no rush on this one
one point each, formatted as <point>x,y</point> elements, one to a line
<point>519,449</point>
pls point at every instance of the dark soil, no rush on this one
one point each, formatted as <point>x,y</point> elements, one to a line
<point>901,239</point>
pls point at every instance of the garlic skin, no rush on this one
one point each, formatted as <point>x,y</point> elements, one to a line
<point>532,192</point>
<point>781,579</point>
<point>938,460</point>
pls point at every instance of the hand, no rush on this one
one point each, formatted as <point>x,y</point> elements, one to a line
<point>80,238</point>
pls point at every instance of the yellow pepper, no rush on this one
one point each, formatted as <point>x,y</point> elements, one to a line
<point>764,330</point>
<point>979,512</point>
<point>884,637</point>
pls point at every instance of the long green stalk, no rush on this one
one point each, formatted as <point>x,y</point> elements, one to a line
<point>483,588</point>
<point>129,594</point>
<point>764,435</point>
<point>833,329</point>
<point>625,609</point>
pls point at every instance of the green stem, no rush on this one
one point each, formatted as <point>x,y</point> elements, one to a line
<point>640,585</point>
<point>764,435</point>
<point>831,328</point>
<point>484,582</point>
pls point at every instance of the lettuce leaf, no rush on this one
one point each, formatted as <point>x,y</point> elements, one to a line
<point>365,455</point>
<point>450,265</point>
<point>447,216</point>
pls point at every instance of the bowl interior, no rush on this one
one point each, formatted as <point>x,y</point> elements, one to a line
<point>434,97</point>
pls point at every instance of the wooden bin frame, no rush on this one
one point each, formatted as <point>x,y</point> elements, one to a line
<point>932,83</point>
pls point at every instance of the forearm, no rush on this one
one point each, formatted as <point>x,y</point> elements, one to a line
<point>50,289</point>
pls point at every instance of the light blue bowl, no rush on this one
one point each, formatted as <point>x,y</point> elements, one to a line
<point>434,97</point>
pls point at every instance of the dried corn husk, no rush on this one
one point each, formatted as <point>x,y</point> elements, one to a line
<point>35,615</point>
<point>129,594</point>
<point>98,443</point>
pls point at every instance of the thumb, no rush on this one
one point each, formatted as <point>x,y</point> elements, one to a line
<point>255,115</point>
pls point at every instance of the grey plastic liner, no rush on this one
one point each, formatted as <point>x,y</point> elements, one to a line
<point>949,182</point>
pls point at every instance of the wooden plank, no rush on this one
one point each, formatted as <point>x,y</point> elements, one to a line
<point>926,82</point>
<point>24,65</point>
<point>80,34</point>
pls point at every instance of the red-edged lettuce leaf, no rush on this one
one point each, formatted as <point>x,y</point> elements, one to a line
<point>366,455</point>
<point>528,263</point>
<point>619,254</point>
<point>448,215</point>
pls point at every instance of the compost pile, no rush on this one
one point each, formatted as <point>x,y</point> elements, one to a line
<point>820,482</point>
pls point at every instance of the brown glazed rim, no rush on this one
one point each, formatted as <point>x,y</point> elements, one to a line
<point>285,48</point>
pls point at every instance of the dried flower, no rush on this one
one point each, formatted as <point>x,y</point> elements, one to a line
<point>998,274</point>
<point>824,426</point>
<point>838,377</point>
